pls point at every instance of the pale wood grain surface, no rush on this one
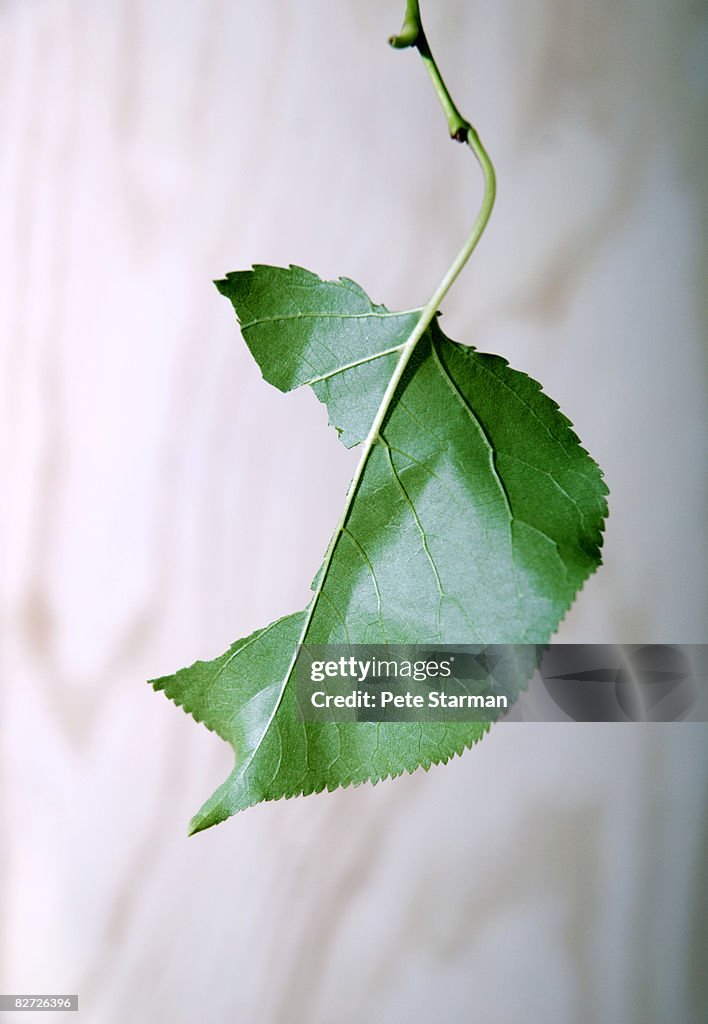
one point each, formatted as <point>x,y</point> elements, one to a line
<point>147,146</point>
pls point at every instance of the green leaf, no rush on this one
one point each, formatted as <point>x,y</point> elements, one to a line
<point>476,517</point>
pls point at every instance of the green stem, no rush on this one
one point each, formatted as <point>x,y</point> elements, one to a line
<point>413,34</point>
<point>411,28</point>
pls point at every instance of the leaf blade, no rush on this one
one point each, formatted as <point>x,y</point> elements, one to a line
<point>475,518</point>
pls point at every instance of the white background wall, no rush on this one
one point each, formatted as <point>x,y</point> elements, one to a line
<point>159,500</point>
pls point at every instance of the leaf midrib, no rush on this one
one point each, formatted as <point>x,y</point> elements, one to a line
<point>406,349</point>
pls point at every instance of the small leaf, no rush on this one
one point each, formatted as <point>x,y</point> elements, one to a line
<point>476,519</point>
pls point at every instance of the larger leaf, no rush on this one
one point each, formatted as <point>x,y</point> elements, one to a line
<point>476,518</point>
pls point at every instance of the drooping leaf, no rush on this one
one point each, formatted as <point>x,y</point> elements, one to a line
<point>476,518</point>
